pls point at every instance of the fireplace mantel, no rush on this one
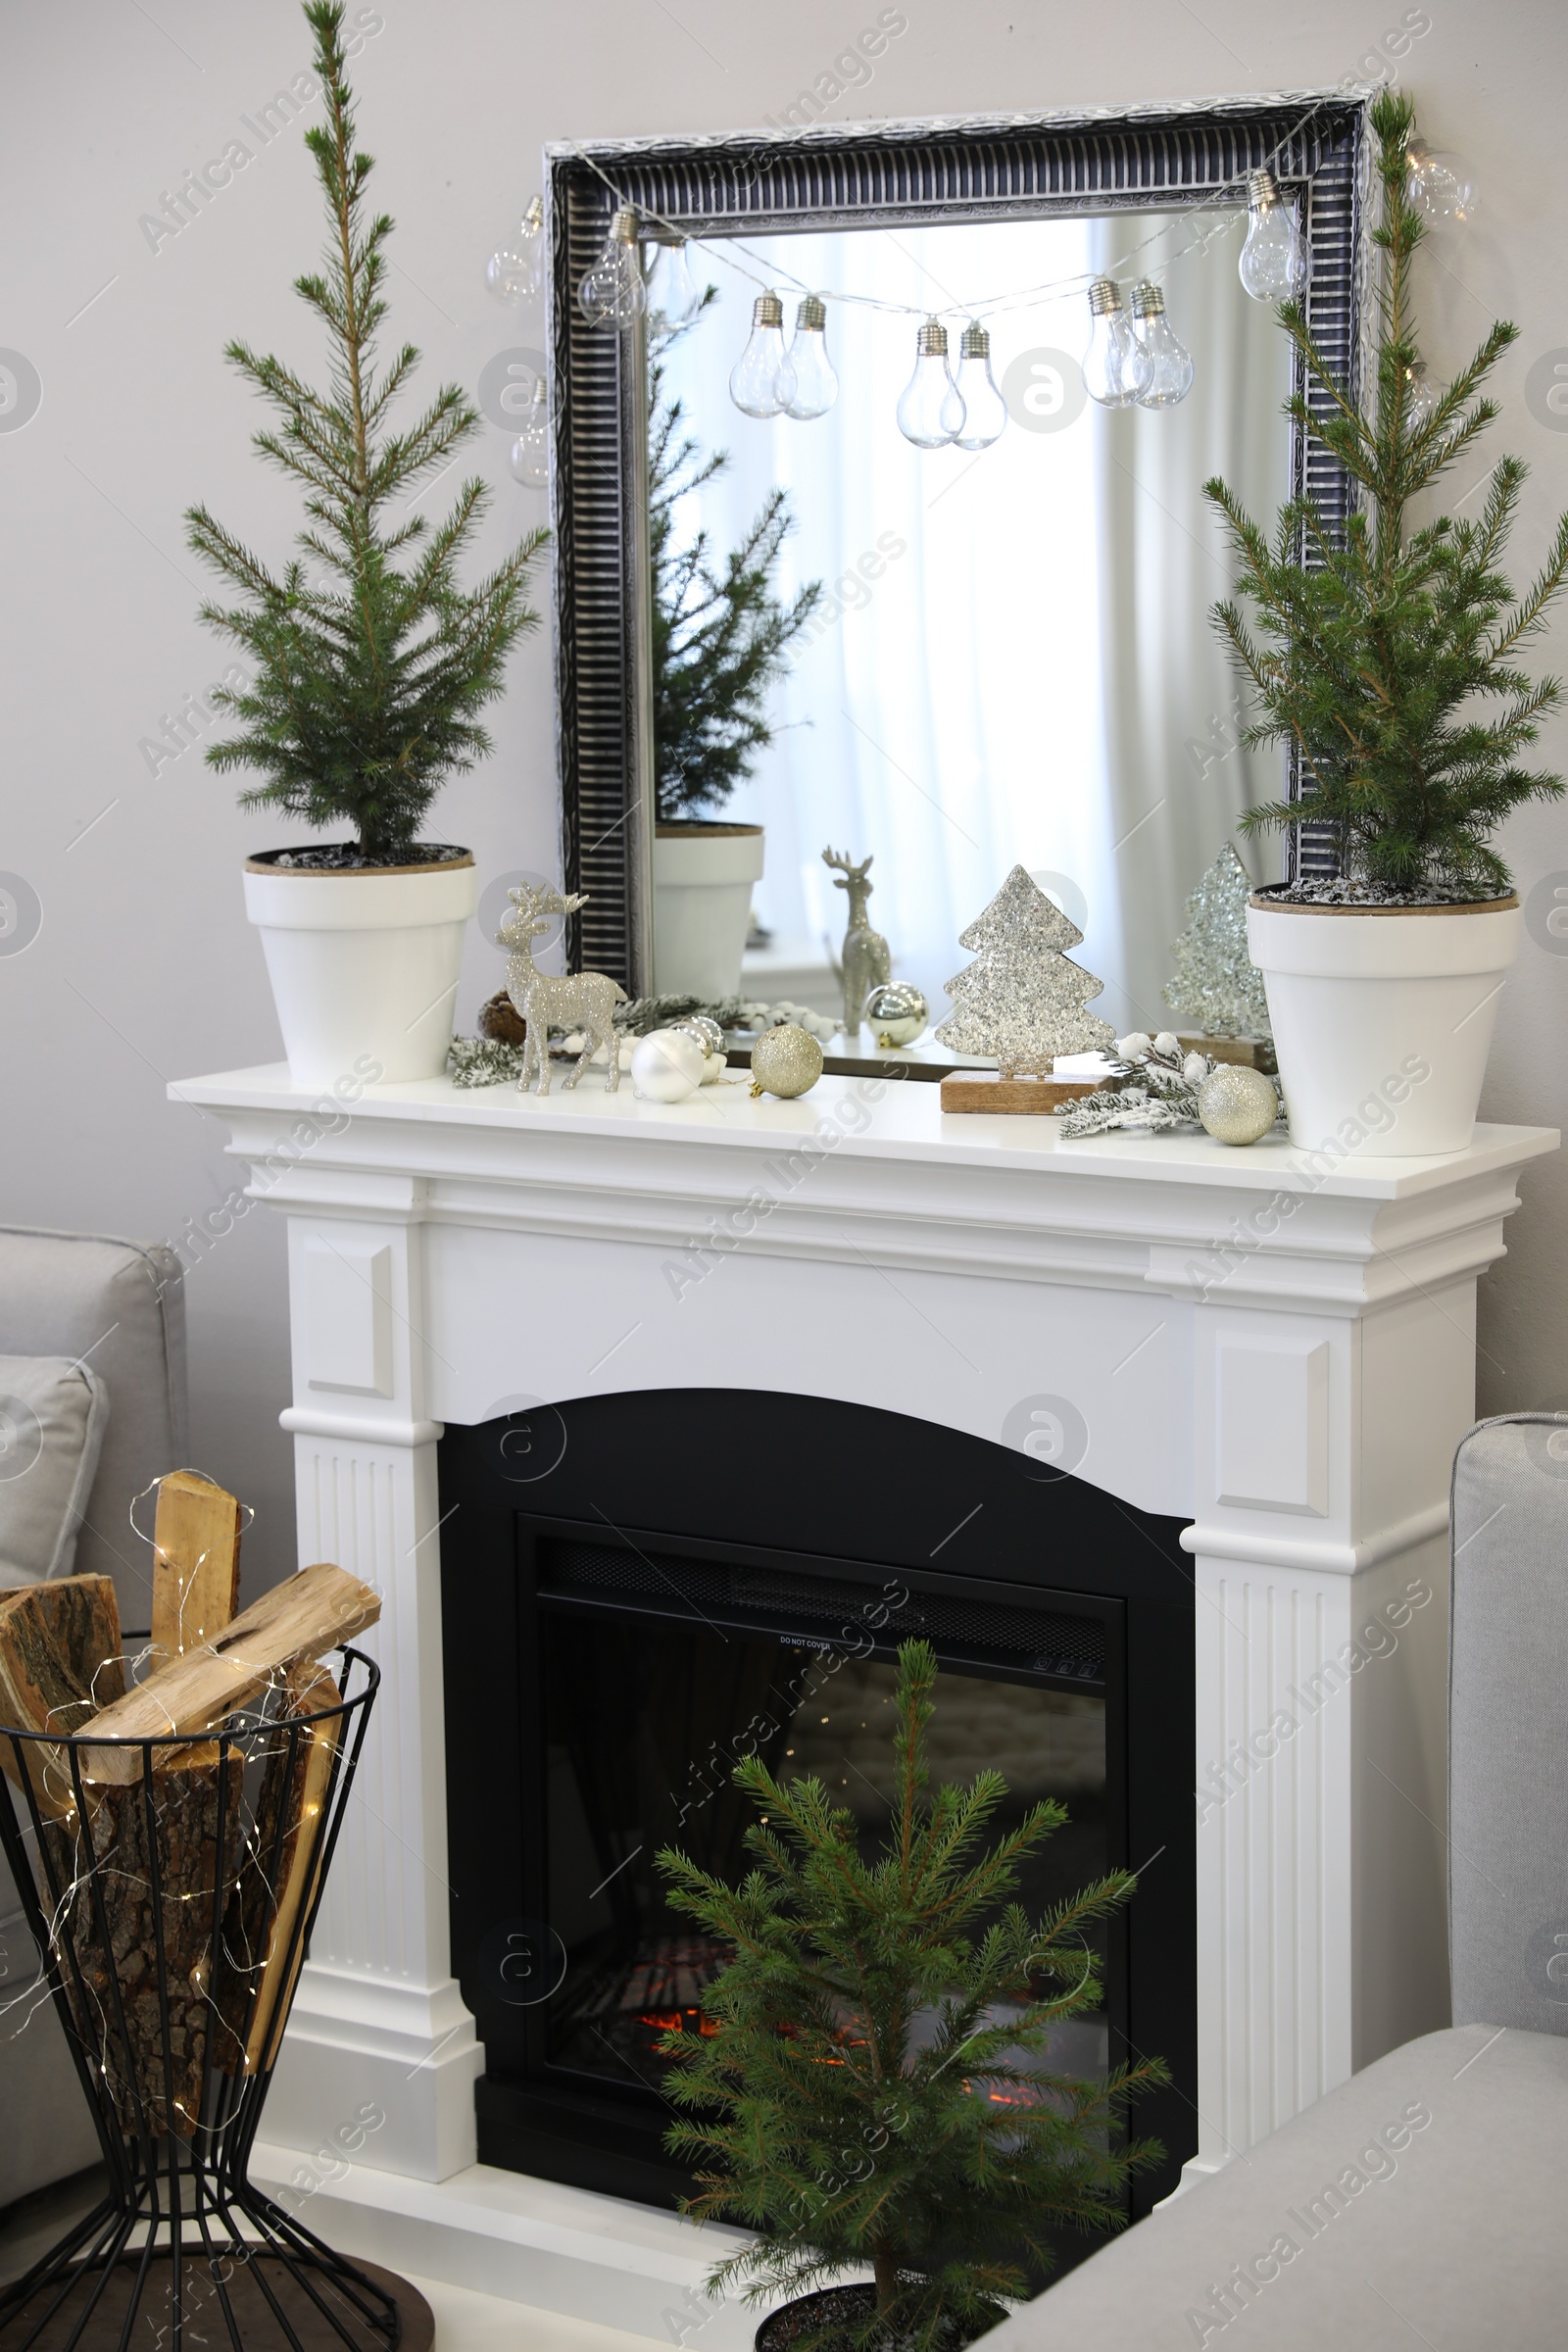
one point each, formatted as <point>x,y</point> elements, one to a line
<point>1275,1346</point>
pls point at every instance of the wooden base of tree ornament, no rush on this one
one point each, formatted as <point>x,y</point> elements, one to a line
<point>987,1089</point>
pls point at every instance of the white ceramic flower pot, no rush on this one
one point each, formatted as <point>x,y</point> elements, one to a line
<point>703,878</point>
<point>364,965</point>
<point>1383,1018</point>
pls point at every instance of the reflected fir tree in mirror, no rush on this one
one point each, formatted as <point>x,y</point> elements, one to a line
<point>720,633</point>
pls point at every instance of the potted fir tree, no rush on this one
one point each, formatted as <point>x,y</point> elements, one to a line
<point>1378,667</point>
<point>720,639</point>
<point>870,2078</point>
<point>370,662</point>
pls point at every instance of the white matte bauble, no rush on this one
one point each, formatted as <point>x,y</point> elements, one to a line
<point>667,1066</point>
<point>1235,1104</point>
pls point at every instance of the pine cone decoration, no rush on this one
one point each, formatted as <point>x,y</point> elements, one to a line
<point>499,1020</point>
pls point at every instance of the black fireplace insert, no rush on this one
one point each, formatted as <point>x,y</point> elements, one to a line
<point>637,1590</point>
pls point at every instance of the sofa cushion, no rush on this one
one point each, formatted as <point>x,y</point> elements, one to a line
<point>117,1306</point>
<point>1421,2202</point>
<point>1507,1678</point>
<point>50,2129</point>
<point>53,1414</point>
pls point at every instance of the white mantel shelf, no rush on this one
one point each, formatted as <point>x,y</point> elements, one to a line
<point>904,1125</point>
<point>1278,1351</point>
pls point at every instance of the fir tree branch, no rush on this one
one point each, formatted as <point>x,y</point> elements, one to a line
<point>368,691</point>
<point>1370,661</point>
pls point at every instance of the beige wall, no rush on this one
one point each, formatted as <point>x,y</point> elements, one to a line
<point>144,968</point>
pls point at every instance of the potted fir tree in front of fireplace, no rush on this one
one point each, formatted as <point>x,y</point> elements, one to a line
<point>871,2085</point>
<point>366,660</point>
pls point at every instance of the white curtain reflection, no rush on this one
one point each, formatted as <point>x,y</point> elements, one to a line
<point>1012,662</point>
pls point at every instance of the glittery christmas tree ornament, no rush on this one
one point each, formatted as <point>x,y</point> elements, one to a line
<point>1216,986</point>
<point>1238,1105</point>
<point>1021,1001</point>
<point>785,1062</point>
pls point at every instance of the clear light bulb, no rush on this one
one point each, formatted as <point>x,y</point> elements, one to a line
<point>1170,362</point>
<point>816,387</point>
<point>673,299</point>
<point>1440,183</point>
<point>985,412</point>
<point>1116,366</point>
<point>930,410</point>
<point>529,457</point>
<point>1423,395</point>
<point>612,293</point>
<point>1275,261</point>
<point>517,271</point>
<point>761,382</point>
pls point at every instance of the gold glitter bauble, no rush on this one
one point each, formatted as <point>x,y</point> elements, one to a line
<point>895,1013</point>
<point>1235,1104</point>
<point>785,1062</point>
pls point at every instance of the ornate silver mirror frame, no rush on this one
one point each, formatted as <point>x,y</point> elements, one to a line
<point>863,177</point>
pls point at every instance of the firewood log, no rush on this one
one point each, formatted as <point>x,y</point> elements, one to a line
<point>195,1563</point>
<point>107,1863</point>
<point>303,1616</point>
<point>60,1660</point>
<point>281,1869</point>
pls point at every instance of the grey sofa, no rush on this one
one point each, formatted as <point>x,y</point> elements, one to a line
<point>1424,2201</point>
<point>120,1306</point>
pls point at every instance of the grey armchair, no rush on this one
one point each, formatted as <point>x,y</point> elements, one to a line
<point>118,1304</point>
<point>1422,2202</point>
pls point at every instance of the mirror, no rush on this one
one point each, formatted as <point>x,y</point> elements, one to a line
<point>1009,658</point>
<point>982,657</point>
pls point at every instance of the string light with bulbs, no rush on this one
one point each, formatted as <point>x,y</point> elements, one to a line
<point>612,294</point>
<point>941,406</point>
<point>1137,360</point>
<point>1423,396</point>
<point>930,412</point>
<point>674,296</point>
<point>985,412</point>
<point>1170,362</point>
<point>1443,186</point>
<point>1133,358</point>
<point>517,273</point>
<point>1276,260</point>
<point>1117,370</point>
<point>761,382</point>
<point>529,457</point>
<point>816,384</point>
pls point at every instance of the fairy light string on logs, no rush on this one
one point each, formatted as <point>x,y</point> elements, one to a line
<point>1133,355</point>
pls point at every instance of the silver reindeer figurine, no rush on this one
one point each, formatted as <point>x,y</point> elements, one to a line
<point>586,1000</point>
<point>867,962</point>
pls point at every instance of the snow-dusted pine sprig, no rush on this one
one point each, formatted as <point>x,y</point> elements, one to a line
<point>482,1060</point>
<point>1155,1088</point>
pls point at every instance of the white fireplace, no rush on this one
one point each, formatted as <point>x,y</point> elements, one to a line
<point>1279,1350</point>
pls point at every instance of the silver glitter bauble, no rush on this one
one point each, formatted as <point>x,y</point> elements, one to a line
<point>1235,1104</point>
<point>785,1062</point>
<point>895,1013</point>
<point>703,1026</point>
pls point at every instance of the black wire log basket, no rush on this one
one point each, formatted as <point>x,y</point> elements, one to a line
<point>171,1886</point>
